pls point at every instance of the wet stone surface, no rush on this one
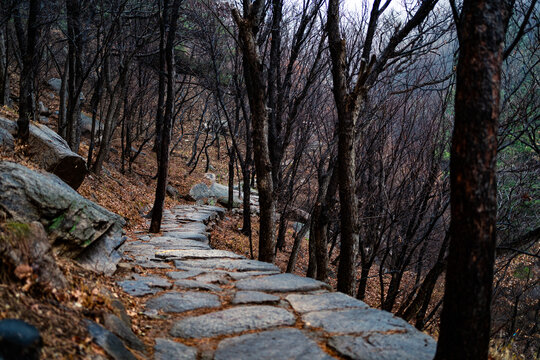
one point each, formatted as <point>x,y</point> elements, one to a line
<point>270,345</point>
<point>254,297</point>
<point>231,321</point>
<point>380,346</point>
<point>175,302</point>
<point>225,306</point>
<point>280,283</point>
<point>326,301</point>
<point>166,349</point>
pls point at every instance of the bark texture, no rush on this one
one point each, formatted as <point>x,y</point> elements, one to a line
<point>248,26</point>
<point>465,319</point>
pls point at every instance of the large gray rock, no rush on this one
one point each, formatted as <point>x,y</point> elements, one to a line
<point>52,153</point>
<point>232,321</point>
<point>77,227</point>
<point>7,141</point>
<point>30,248</point>
<point>86,126</point>
<point>380,346</point>
<point>170,350</point>
<point>220,192</point>
<point>270,345</point>
<point>56,85</point>
<point>280,283</point>
<point>200,192</point>
<point>176,302</point>
<point>173,192</point>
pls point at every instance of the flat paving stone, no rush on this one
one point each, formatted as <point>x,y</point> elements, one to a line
<point>216,278</point>
<point>108,341</point>
<point>326,301</point>
<point>193,284</point>
<point>175,241</point>
<point>280,283</point>
<point>193,235</point>
<point>149,264</point>
<point>137,288</point>
<point>179,275</point>
<point>171,350</point>
<point>227,264</point>
<point>355,321</point>
<point>254,297</point>
<point>153,281</point>
<point>247,274</point>
<point>196,254</point>
<point>380,346</point>
<point>120,328</point>
<point>176,302</point>
<point>271,345</point>
<point>232,321</point>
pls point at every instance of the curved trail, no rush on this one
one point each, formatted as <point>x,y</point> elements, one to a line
<point>215,304</point>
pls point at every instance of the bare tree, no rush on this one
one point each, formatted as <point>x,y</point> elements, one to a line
<point>171,17</point>
<point>248,27</point>
<point>29,72</point>
<point>465,319</point>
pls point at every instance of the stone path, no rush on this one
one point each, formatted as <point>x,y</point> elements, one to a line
<point>214,304</point>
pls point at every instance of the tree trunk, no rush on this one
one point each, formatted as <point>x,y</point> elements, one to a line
<point>259,117</point>
<point>246,214</point>
<point>231,180</point>
<point>163,162</point>
<point>465,319</point>
<point>62,111</point>
<point>28,74</point>
<point>4,68</point>
<point>161,85</point>
<point>75,73</point>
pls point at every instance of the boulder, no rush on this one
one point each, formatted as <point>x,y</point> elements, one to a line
<point>173,192</point>
<point>200,192</point>
<point>19,340</point>
<point>56,85</point>
<point>7,141</point>
<point>86,126</point>
<point>77,227</point>
<point>25,251</point>
<point>220,192</point>
<point>43,110</point>
<point>52,153</point>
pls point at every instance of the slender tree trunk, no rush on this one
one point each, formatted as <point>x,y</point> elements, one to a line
<point>465,318</point>
<point>28,74</point>
<point>259,117</point>
<point>94,103</point>
<point>163,162</point>
<point>347,109</point>
<point>62,111</point>
<point>4,68</point>
<point>246,214</point>
<point>161,85</point>
<point>231,180</point>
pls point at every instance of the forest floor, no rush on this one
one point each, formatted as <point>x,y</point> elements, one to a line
<point>59,314</point>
